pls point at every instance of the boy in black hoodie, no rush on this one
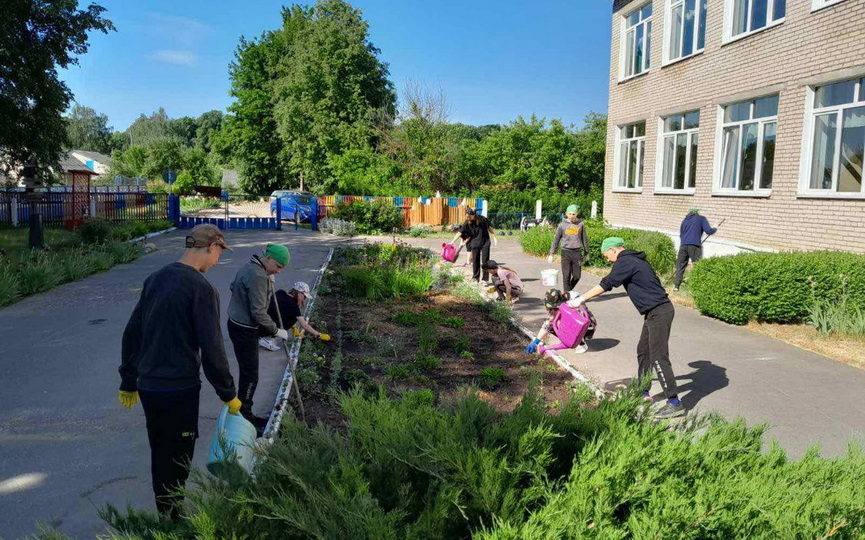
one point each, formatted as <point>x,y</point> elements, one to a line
<point>632,271</point>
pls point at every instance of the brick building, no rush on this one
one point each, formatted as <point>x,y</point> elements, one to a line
<point>751,110</point>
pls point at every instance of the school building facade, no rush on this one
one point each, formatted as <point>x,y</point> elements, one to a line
<point>752,111</point>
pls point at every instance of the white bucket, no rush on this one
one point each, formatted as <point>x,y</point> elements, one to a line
<point>550,277</point>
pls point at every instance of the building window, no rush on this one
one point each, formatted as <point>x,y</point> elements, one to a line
<point>748,145</point>
<point>838,138</point>
<point>679,143</point>
<point>637,39</point>
<point>820,4</point>
<point>686,28</point>
<point>748,16</point>
<point>632,144</point>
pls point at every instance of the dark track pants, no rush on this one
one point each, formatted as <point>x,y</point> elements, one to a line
<point>480,256</point>
<point>686,253</point>
<point>245,342</point>
<point>571,269</point>
<point>172,427</point>
<point>653,351</point>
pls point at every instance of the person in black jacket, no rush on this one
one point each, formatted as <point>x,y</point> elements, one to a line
<point>172,334</point>
<point>632,271</point>
<point>479,232</point>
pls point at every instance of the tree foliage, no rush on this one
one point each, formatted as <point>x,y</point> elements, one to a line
<point>88,130</point>
<point>37,37</point>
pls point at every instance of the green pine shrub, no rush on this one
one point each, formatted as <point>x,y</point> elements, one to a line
<point>776,287</point>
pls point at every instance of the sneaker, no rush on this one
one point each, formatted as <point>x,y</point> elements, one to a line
<point>670,411</point>
<point>675,289</point>
<point>582,348</point>
<point>268,344</point>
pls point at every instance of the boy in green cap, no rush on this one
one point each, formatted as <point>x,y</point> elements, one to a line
<point>632,271</point>
<point>248,319</point>
<point>572,234</point>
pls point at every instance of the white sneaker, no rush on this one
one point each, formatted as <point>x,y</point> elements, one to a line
<point>582,348</point>
<point>268,344</point>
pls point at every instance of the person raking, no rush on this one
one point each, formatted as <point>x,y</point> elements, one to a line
<point>691,242</point>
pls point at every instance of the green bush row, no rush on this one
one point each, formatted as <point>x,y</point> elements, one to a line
<point>44,270</point>
<point>403,468</point>
<point>658,247</point>
<point>98,231</point>
<point>776,287</point>
<point>371,217</point>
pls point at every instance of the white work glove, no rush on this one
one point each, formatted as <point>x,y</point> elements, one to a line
<point>282,334</point>
<point>577,302</point>
<point>495,241</point>
<point>550,259</point>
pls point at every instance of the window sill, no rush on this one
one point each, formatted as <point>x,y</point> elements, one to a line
<point>632,77</point>
<point>668,191</point>
<point>756,194</point>
<point>830,195</point>
<point>682,59</point>
<point>627,190</point>
<point>740,37</point>
<point>815,8</point>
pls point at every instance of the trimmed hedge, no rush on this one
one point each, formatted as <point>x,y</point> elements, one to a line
<point>775,287</point>
<point>658,247</point>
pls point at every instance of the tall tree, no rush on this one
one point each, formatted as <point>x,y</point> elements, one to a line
<point>208,124</point>
<point>330,89</point>
<point>147,129</point>
<point>88,130</point>
<point>37,37</point>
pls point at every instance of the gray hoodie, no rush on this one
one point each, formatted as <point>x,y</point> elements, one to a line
<point>251,291</point>
<point>571,235</point>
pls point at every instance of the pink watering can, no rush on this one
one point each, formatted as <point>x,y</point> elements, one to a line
<point>571,326</point>
<point>449,252</point>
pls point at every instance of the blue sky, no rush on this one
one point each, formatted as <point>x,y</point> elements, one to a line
<point>494,59</point>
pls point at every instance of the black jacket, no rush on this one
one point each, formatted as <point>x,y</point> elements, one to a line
<point>633,272</point>
<point>479,233</point>
<point>173,332</point>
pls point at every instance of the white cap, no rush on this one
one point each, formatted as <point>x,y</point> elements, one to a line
<point>301,286</point>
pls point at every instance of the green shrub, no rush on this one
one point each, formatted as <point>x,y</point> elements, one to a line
<point>101,261</point>
<point>426,362</point>
<point>421,230</point>
<point>123,252</point>
<point>38,274</point>
<point>371,217</point>
<point>491,377</point>
<point>397,372</point>
<point>658,247</point>
<point>10,288</point>
<point>775,287</point>
<point>454,322</point>
<point>74,265</point>
<point>94,232</point>
<point>418,398</point>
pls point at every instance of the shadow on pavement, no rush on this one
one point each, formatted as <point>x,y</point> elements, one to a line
<point>602,344</point>
<point>705,379</point>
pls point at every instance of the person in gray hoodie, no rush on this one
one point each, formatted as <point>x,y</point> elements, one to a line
<point>571,233</point>
<point>248,319</point>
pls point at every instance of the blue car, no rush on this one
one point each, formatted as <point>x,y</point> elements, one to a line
<point>290,202</point>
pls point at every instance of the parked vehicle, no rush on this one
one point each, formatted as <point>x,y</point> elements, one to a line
<point>292,202</point>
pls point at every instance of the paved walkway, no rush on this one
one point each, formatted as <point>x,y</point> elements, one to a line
<point>805,398</point>
<point>67,446</point>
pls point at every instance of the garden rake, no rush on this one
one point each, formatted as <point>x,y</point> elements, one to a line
<point>290,365</point>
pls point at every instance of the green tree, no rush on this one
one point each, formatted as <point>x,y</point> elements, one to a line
<point>197,164</point>
<point>331,90</point>
<point>147,129</point>
<point>208,124</point>
<point>184,184</point>
<point>184,128</point>
<point>37,37</point>
<point>88,130</point>
<point>163,155</point>
<point>130,162</point>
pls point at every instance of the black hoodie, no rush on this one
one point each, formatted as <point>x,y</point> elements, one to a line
<point>633,272</point>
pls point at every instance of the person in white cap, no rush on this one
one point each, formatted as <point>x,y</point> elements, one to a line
<point>288,307</point>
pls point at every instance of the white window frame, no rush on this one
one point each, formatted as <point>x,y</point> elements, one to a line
<point>659,156</point>
<point>617,157</point>
<point>729,6</point>
<point>623,53</point>
<point>817,5</point>
<point>669,6</point>
<point>757,192</point>
<point>805,190</point>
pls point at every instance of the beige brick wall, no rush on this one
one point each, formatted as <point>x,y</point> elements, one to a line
<point>804,46</point>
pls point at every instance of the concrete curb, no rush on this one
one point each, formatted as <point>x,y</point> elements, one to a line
<point>151,235</point>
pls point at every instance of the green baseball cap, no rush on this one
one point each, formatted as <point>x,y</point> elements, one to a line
<point>611,242</point>
<point>693,210</point>
<point>278,253</point>
<point>572,208</point>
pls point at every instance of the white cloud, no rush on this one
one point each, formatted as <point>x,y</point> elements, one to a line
<point>179,58</point>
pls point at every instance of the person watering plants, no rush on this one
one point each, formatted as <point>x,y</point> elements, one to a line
<point>632,271</point>
<point>172,334</point>
<point>571,232</point>
<point>479,232</point>
<point>248,319</point>
<point>691,242</point>
<point>553,300</point>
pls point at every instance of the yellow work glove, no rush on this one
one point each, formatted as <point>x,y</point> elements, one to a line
<point>324,337</point>
<point>296,331</point>
<point>233,405</point>
<point>127,399</point>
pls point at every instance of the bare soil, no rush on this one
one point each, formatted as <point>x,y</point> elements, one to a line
<point>372,342</point>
